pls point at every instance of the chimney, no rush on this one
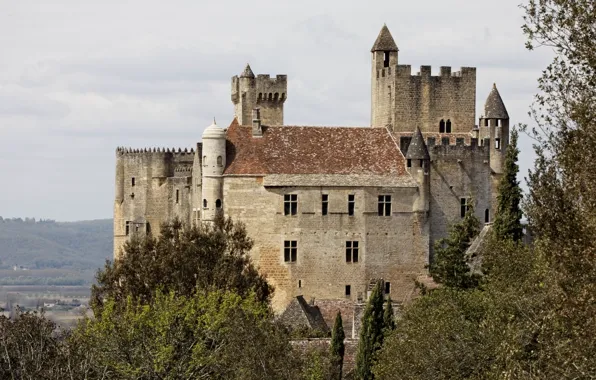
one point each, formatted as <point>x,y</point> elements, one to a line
<point>257,131</point>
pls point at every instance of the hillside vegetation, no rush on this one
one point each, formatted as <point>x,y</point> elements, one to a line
<point>53,253</point>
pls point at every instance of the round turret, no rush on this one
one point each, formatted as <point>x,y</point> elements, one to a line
<point>214,163</point>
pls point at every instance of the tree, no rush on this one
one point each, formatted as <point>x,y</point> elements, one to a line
<point>450,265</point>
<point>182,259</point>
<point>507,223</point>
<point>371,334</point>
<point>388,318</point>
<point>337,348</point>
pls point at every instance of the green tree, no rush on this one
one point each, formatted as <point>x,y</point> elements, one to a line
<point>182,259</point>
<point>450,264</point>
<point>507,223</point>
<point>388,317</point>
<point>337,348</point>
<point>371,334</point>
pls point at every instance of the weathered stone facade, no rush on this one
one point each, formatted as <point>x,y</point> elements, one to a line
<point>331,208</point>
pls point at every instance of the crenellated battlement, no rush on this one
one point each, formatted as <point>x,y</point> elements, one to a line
<point>444,72</point>
<point>137,151</point>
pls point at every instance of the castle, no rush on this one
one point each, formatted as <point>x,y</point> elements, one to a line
<point>331,208</point>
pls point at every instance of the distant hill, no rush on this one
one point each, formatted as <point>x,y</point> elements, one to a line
<point>76,247</point>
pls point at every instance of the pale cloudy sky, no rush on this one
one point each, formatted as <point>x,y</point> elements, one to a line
<point>79,77</point>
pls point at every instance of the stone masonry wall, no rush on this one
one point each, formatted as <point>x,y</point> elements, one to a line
<point>390,247</point>
<point>423,100</point>
<point>161,191</point>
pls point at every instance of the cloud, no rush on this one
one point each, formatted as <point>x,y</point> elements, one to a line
<point>18,101</point>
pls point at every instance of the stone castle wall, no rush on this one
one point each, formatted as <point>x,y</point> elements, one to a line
<point>161,191</point>
<point>392,248</point>
<point>263,92</point>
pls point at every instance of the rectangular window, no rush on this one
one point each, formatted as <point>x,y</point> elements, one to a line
<point>409,162</point>
<point>387,287</point>
<point>299,284</point>
<point>497,143</point>
<point>290,204</point>
<point>459,141</point>
<point>290,251</point>
<point>445,141</point>
<point>464,206</point>
<point>384,205</point>
<point>431,141</point>
<point>351,204</point>
<point>324,204</point>
<point>133,182</point>
<point>127,228</point>
<point>351,251</point>
<point>177,196</point>
<point>348,290</point>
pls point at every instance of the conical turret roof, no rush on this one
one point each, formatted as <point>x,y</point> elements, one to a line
<point>384,41</point>
<point>494,108</point>
<point>417,149</point>
<point>247,73</point>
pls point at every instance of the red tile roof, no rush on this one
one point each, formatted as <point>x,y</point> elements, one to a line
<point>313,150</point>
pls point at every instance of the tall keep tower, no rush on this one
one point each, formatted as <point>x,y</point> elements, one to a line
<point>263,92</point>
<point>384,62</point>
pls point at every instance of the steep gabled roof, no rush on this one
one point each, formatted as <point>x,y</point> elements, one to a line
<point>385,41</point>
<point>299,314</point>
<point>417,149</point>
<point>494,108</point>
<point>313,150</point>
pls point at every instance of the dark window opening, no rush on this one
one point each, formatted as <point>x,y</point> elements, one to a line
<point>431,141</point>
<point>444,140</point>
<point>324,204</point>
<point>177,196</point>
<point>204,160</point>
<point>127,229</point>
<point>148,228</point>
<point>459,141</point>
<point>386,56</point>
<point>486,122</point>
<point>404,143</point>
<point>498,122</point>
<point>351,204</point>
<point>421,163</point>
<point>497,143</point>
<point>384,205</point>
<point>218,203</point>
<point>486,216</point>
<point>219,161</point>
<point>290,204</point>
<point>348,290</point>
<point>442,126</point>
<point>204,203</point>
<point>299,283</point>
<point>290,251</point>
<point>464,206</point>
<point>387,287</point>
<point>409,163</point>
<point>448,129</point>
<point>133,181</point>
<point>351,251</point>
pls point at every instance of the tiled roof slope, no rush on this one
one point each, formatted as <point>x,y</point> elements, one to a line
<point>313,150</point>
<point>494,108</point>
<point>384,41</point>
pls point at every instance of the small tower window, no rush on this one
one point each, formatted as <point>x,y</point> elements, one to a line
<point>177,196</point>
<point>204,160</point>
<point>204,203</point>
<point>486,122</point>
<point>299,284</point>
<point>409,163</point>
<point>486,216</point>
<point>324,204</point>
<point>442,126</point>
<point>387,287</point>
<point>497,144</point>
<point>133,181</point>
<point>348,290</point>
<point>386,56</point>
<point>218,203</point>
<point>421,163</point>
<point>464,206</point>
<point>219,161</point>
<point>127,231</point>
<point>448,129</point>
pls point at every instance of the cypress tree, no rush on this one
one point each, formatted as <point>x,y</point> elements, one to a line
<point>337,346</point>
<point>450,265</point>
<point>371,334</point>
<point>388,318</point>
<point>507,223</point>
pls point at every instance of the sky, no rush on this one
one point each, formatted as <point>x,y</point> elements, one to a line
<point>79,77</point>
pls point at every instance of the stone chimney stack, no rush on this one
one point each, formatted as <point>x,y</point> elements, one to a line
<point>257,131</point>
